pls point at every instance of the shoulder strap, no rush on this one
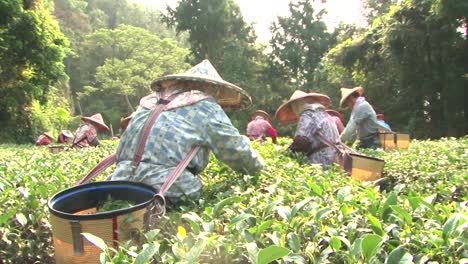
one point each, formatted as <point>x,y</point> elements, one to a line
<point>178,170</point>
<point>108,161</point>
<point>102,166</point>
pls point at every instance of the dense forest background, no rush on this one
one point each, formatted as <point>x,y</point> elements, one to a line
<point>62,59</point>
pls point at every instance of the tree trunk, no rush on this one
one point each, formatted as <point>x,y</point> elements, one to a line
<point>129,104</point>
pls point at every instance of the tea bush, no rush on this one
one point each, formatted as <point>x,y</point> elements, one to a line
<point>291,212</point>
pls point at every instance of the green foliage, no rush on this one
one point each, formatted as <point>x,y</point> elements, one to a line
<point>290,212</point>
<point>212,26</point>
<point>32,50</point>
<point>111,205</point>
<point>411,64</point>
<point>299,41</point>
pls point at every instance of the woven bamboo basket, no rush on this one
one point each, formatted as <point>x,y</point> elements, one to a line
<point>73,212</point>
<point>393,140</point>
<point>366,168</point>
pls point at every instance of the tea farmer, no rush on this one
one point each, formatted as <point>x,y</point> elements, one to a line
<point>363,121</point>
<point>382,123</point>
<point>86,134</point>
<point>260,127</point>
<point>44,139</point>
<point>308,109</point>
<point>65,136</point>
<point>124,122</point>
<point>194,116</point>
<point>337,118</point>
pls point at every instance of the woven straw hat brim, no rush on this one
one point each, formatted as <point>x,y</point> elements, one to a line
<point>67,133</point>
<point>286,115</point>
<point>100,125</point>
<point>124,121</point>
<point>262,113</point>
<point>346,93</point>
<point>48,134</point>
<point>230,96</point>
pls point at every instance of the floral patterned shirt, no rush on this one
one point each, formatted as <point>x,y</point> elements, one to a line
<point>306,140</point>
<point>202,123</point>
<point>85,135</point>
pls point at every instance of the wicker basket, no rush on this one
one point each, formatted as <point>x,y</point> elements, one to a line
<point>393,140</point>
<point>73,212</point>
<point>56,149</point>
<point>366,168</point>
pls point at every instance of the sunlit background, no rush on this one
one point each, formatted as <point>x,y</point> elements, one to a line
<point>263,12</point>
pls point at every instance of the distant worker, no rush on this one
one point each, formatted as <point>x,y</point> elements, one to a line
<point>44,139</point>
<point>86,134</point>
<point>308,109</point>
<point>363,121</point>
<point>382,123</point>
<point>260,127</point>
<point>124,122</point>
<point>65,136</point>
<point>337,118</point>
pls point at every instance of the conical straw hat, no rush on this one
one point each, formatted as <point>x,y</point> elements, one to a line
<point>48,134</point>
<point>285,113</point>
<point>124,121</point>
<point>67,133</point>
<point>346,92</point>
<point>96,119</point>
<point>262,113</point>
<point>228,95</point>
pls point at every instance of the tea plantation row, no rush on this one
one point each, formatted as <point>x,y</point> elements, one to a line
<point>291,212</point>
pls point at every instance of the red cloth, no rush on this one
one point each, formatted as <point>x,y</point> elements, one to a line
<point>338,123</point>
<point>42,140</point>
<point>273,134</point>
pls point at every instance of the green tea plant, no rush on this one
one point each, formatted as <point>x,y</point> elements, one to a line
<point>291,212</point>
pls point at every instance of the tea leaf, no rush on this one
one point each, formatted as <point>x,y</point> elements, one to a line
<point>300,205</point>
<point>147,253</point>
<point>220,205</point>
<point>450,227</point>
<point>399,256</point>
<point>97,241</point>
<point>195,251</point>
<point>294,242</point>
<point>376,225</point>
<point>21,219</point>
<point>271,253</point>
<point>370,245</point>
<point>322,213</point>
<point>335,243</point>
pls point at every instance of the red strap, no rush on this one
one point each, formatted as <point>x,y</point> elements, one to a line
<point>145,133</point>
<point>107,162</point>
<point>103,165</point>
<point>178,170</point>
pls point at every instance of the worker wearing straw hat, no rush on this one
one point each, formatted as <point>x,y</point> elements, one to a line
<point>65,136</point>
<point>384,127</point>
<point>337,118</point>
<point>363,121</point>
<point>308,109</point>
<point>194,115</point>
<point>44,139</point>
<point>86,134</point>
<point>124,122</point>
<point>260,127</point>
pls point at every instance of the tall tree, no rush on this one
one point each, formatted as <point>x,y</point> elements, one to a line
<point>411,63</point>
<point>300,40</point>
<point>212,25</point>
<point>32,50</point>
<point>130,58</point>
